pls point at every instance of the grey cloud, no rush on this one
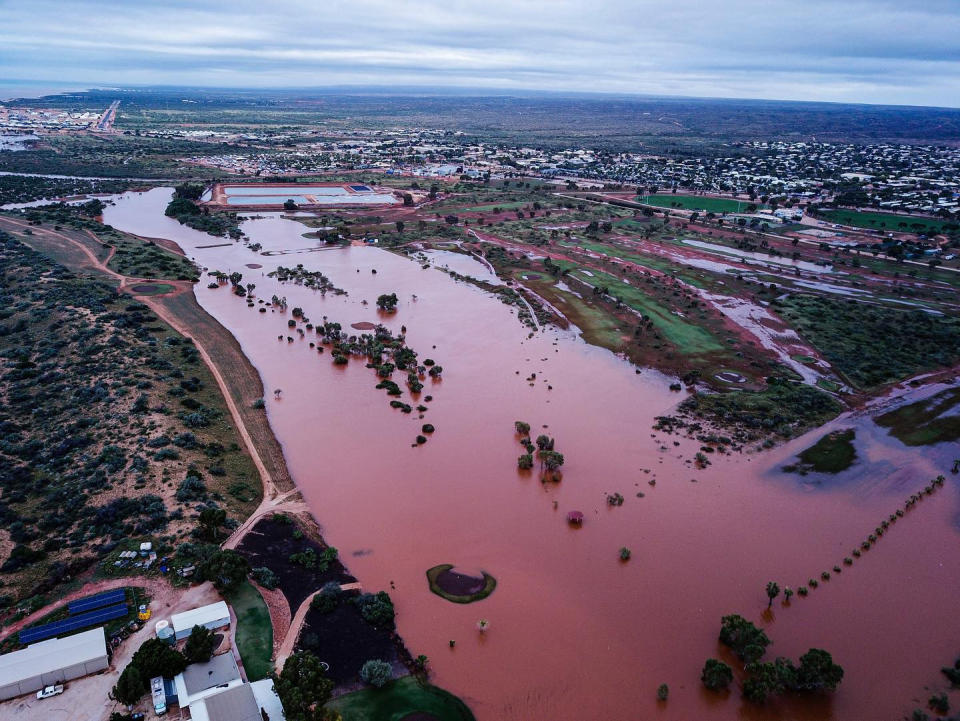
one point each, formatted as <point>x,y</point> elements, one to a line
<point>888,51</point>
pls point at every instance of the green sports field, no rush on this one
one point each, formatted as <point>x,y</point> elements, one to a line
<point>697,202</point>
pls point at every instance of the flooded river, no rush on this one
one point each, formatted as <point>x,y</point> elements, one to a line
<point>574,632</point>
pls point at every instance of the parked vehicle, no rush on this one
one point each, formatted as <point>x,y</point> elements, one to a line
<point>159,697</point>
<point>50,691</point>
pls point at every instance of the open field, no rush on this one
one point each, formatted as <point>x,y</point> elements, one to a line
<point>890,222</point>
<point>699,202</point>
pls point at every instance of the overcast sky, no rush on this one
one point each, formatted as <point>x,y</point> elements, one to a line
<point>871,51</point>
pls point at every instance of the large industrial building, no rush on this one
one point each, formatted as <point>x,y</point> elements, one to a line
<point>51,662</point>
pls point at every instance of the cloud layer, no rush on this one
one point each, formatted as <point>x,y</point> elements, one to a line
<point>873,51</point>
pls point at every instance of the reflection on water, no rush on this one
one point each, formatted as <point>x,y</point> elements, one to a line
<point>574,632</point>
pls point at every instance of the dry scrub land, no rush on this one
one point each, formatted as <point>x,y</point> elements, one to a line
<point>113,430</point>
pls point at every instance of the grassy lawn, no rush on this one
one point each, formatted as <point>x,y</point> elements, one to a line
<point>831,454</point>
<point>689,339</point>
<point>647,261</point>
<point>254,631</point>
<point>697,202</point>
<point>882,221</point>
<point>491,206</point>
<point>398,700</point>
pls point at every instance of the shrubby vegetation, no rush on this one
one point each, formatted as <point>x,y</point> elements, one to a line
<point>783,409</point>
<point>26,188</point>
<point>816,671</point>
<point>133,256</point>
<point>376,608</point>
<point>183,208</point>
<point>303,688</point>
<point>307,278</point>
<point>91,387</point>
<point>375,672</point>
<point>872,345</point>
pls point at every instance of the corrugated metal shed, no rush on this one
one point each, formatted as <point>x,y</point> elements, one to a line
<point>51,662</point>
<point>215,615</point>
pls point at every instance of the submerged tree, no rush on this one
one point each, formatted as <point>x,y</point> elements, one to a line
<point>716,675</point>
<point>745,639</point>
<point>773,590</point>
<point>387,302</point>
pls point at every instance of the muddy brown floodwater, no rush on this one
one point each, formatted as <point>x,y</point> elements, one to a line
<point>574,632</point>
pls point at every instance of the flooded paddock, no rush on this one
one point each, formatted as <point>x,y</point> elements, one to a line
<point>574,632</point>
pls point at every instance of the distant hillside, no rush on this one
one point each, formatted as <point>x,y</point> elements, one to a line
<point>615,122</point>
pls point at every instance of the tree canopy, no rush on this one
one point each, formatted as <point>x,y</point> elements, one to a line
<point>200,645</point>
<point>303,688</point>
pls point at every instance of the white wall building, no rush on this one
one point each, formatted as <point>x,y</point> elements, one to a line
<point>52,661</point>
<point>216,615</point>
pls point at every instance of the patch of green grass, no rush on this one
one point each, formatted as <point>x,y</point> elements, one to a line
<point>254,631</point>
<point>399,699</point>
<point>828,385</point>
<point>697,202</point>
<point>831,454</point>
<point>883,221</point>
<point>490,583</point>
<point>925,422</point>
<point>491,206</point>
<point>690,339</point>
<point>647,261</point>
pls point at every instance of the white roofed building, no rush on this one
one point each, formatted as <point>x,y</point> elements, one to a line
<point>52,662</point>
<point>213,616</point>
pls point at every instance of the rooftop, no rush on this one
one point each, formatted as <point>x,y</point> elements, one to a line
<point>53,654</point>
<point>218,671</point>
<point>234,704</point>
<point>200,616</point>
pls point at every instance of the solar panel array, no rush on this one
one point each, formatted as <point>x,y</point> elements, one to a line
<point>89,603</point>
<point>74,623</point>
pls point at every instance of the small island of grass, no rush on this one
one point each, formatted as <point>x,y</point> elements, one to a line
<point>459,587</point>
<point>831,454</point>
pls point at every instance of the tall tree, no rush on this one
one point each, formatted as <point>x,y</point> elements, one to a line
<point>773,590</point>
<point>303,688</point>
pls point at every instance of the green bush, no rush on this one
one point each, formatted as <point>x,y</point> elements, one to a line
<point>375,672</point>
